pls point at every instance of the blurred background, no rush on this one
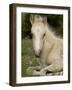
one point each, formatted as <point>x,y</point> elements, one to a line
<point>27,53</point>
<point>55,21</point>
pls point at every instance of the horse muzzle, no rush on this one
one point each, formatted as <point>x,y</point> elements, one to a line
<point>37,53</point>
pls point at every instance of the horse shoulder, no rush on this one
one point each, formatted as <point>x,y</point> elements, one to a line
<point>56,52</point>
<point>45,50</point>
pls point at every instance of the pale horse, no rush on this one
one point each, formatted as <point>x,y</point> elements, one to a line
<point>47,46</point>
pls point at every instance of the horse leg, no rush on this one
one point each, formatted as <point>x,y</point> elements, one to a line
<point>34,70</point>
<point>53,69</point>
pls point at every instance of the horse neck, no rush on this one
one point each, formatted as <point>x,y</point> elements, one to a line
<point>49,34</point>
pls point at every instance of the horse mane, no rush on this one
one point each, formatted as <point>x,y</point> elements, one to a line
<point>50,33</point>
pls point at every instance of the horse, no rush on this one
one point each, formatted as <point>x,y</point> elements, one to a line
<point>47,46</point>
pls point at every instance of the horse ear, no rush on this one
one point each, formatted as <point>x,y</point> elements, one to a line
<point>31,19</point>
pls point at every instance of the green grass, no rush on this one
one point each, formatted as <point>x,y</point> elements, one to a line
<point>28,57</point>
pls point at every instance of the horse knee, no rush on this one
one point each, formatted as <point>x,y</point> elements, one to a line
<point>54,68</point>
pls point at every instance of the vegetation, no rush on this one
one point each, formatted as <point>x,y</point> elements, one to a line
<point>28,57</point>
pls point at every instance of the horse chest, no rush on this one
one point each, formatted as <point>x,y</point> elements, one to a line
<point>47,49</point>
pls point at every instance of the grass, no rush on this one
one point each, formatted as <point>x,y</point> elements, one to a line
<point>28,57</point>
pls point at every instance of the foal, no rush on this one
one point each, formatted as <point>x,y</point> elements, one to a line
<point>47,46</point>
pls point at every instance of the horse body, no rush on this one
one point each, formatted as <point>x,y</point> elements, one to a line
<point>52,52</point>
<point>46,45</point>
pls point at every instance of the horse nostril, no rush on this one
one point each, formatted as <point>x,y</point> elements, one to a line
<point>37,53</point>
